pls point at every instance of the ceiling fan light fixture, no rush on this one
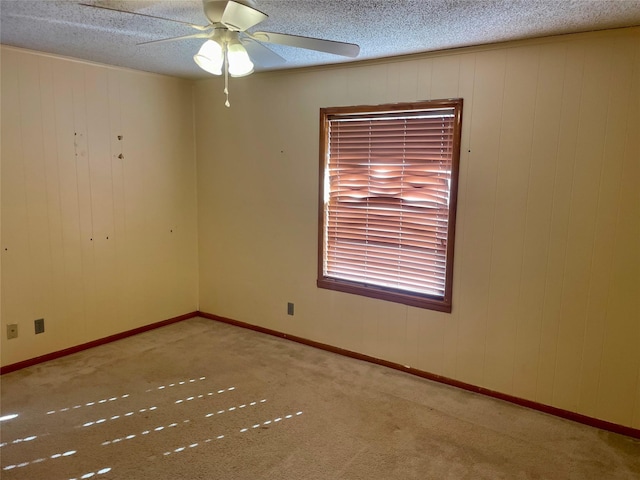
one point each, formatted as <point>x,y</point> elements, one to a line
<point>223,52</point>
<point>210,57</point>
<point>240,64</point>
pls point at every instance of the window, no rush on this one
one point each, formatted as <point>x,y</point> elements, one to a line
<point>388,183</point>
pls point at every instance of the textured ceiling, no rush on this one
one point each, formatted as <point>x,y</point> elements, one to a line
<point>382,28</point>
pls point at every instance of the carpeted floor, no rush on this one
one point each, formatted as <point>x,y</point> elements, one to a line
<point>205,400</point>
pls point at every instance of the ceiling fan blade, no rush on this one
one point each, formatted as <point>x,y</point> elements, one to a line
<point>192,25</point>
<point>260,54</point>
<point>328,46</point>
<point>173,39</point>
<point>239,17</point>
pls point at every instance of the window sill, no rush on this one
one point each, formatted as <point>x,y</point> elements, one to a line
<point>381,293</point>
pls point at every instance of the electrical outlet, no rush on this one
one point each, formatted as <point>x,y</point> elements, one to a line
<point>289,308</point>
<point>12,331</point>
<point>39,325</point>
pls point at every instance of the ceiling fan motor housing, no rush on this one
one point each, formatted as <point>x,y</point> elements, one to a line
<point>213,9</point>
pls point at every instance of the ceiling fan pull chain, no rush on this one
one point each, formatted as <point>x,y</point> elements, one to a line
<point>226,77</point>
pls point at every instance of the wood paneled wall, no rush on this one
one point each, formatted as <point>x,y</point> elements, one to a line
<point>93,243</point>
<point>547,264</point>
<point>547,267</point>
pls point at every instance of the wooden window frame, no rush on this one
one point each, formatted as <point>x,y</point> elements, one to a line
<point>438,303</point>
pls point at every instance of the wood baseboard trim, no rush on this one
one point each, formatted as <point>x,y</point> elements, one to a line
<point>101,341</point>
<point>558,412</point>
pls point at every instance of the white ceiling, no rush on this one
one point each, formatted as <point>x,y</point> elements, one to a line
<point>382,28</point>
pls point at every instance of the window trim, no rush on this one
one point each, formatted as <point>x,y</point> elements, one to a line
<point>443,304</point>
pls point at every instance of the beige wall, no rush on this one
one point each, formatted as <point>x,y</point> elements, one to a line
<point>64,191</point>
<point>547,262</point>
<point>547,268</point>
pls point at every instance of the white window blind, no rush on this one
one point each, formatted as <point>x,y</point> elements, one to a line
<point>387,196</point>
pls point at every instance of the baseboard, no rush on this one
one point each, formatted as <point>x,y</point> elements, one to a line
<point>558,412</point>
<point>101,341</point>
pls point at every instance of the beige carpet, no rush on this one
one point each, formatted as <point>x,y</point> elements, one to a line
<point>204,400</point>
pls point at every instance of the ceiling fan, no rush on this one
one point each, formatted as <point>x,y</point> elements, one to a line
<point>231,49</point>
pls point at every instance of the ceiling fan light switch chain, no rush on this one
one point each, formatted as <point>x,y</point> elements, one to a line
<point>226,79</point>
